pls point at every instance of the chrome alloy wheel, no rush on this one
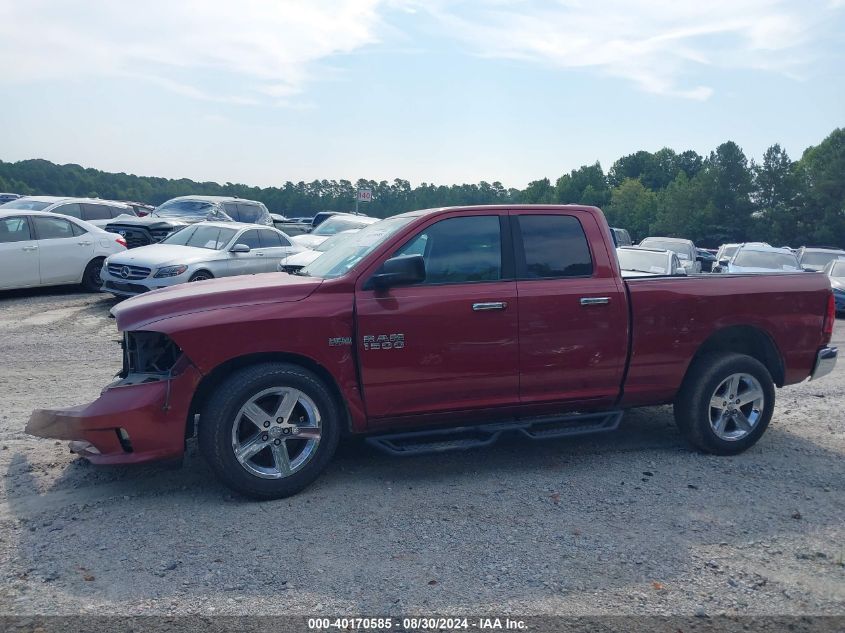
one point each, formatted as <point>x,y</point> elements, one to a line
<point>276,432</point>
<point>736,406</point>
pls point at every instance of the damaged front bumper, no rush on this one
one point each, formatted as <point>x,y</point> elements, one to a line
<point>140,418</point>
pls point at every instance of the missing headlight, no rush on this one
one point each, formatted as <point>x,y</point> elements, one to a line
<point>148,353</point>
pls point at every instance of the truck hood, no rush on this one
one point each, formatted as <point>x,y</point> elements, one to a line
<point>188,298</point>
<point>158,255</point>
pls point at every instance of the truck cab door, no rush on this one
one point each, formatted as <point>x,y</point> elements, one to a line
<point>573,314</point>
<point>445,347</point>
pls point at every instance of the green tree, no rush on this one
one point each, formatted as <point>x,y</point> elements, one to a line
<point>633,207</point>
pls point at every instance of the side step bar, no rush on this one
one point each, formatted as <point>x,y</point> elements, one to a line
<point>467,437</point>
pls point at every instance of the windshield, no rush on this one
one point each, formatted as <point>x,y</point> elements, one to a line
<point>346,256</point>
<point>729,251</point>
<point>336,224</point>
<point>838,269</point>
<point>820,258</point>
<point>202,236</point>
<point>643,261</point>
<point>184,208</point>
<point>27,205</point>
<point>333,241</point>
<point>763,259</point>
<point>682,250</point>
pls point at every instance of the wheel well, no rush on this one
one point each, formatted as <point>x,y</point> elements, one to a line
<point>749,340</point>
<point>202,270</point>
<point>210,382</point>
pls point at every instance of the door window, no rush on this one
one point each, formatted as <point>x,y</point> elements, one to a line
<point>271,239</point>
<point>250,238</point>
<point>73,209</point>
<point>553,246</point>
<point>95,212</point>
<point>231,210</point>
<point>14,230</point>
<point>52,228</point>
<point>459,250</point>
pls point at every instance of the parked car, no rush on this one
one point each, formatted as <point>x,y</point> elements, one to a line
<point>93,210</point>
<point>835,270</point>
<point>296,262</point>
<point>39,248</point>
<point>684,249</point>
<point>621,237</point>
<point>437,329</point>
<point>335,224</point>
<point>759,258</point>
<point>177,213</point>
<point>726,251</point>
<point>816,259</point>
<point>8,197</point>
<point>707,259</point>
<point>638,261</point>
<point>203,251</point>
<point>141,209</point>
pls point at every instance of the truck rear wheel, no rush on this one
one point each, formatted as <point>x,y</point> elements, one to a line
<point>269,430</point>
<point>725,403</point>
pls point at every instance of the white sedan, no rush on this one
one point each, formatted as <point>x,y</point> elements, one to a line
<point>334,225</point>
<point>43,249</point>
<point>298,261</point>
<point>198,252</point>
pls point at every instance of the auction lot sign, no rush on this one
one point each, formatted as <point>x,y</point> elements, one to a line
<point>422,622</point>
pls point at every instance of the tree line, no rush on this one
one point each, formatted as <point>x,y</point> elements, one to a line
<point>722,197</point>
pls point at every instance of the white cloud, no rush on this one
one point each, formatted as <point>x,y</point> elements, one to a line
<point>244,51</point>
<point>657,44</point>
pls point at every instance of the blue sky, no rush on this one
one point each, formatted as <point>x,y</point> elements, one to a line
<point>262,91</point>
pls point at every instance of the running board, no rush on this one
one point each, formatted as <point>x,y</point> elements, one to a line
<point>468,437</point>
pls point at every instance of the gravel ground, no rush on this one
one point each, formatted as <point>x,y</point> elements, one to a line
<point>631,522</point>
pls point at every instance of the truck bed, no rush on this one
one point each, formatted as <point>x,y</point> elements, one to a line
<point>672,317</point>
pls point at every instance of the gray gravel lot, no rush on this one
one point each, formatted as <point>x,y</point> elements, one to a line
<point>632,522</point>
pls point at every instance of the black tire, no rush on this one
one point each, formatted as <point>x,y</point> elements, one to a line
<point>91,281</point>
<point>692,406</point>
<point>201,275</point>
<point>218,418</point>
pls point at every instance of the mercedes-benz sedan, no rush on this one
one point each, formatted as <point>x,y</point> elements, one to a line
<point>201,251</point>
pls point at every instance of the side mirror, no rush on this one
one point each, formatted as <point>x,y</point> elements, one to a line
<point>724,262</point>
<point>681,271</point>
<point>807,270</point>
<point>239,248</point>
<point>400,270</point>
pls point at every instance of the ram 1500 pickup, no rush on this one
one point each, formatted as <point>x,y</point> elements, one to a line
<point>445,329</point>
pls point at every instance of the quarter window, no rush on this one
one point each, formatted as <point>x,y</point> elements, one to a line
<point>14,230</point>
<point>52,228</point>
<point>459,250</point>
<point>249,212</point>
<point>553,246</point>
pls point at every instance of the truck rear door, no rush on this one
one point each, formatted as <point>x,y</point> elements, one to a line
<point>448,344</point>
<point>573,315</point>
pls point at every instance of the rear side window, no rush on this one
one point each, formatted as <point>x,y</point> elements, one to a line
<point>77,230</point>
<point>271,239</point>
<point>95,212</point>
<point>250,212</point>
<point>553,246</point>
<point>14,230</point>
<point>52,228</point>
<point>116,211</point>
<point>459,250</point>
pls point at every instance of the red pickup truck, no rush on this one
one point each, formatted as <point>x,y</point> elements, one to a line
<point>444,329</point>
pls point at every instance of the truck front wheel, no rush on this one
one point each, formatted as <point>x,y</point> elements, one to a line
<point>725,403</point>
<point>269,430</point>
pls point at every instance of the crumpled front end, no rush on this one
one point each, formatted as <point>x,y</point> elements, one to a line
<point>140,417</point>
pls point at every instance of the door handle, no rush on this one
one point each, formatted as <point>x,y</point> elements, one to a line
<point>490,305</point>
<point>260,254</point>
<point>29,248</point>
<point>84,243</point>
<point>594,301</point>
